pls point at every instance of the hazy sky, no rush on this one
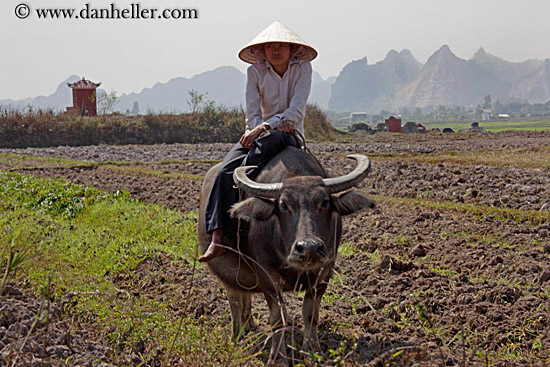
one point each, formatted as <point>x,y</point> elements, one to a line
<point>127,55</point>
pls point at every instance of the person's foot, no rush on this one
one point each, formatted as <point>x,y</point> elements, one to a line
<point>214,250</point>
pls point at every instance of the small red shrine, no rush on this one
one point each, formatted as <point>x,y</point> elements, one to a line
<point>84,97</point>
<point>394,125</point>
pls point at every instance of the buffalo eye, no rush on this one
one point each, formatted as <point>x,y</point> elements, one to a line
<point>283,207</point>
<point>325,203</point>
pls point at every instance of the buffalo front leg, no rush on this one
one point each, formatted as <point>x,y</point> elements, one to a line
<point>240,304</point>
<point>310,313</point>
<point>246,316</point>
<point>236,305</point>
<point>277,319</point>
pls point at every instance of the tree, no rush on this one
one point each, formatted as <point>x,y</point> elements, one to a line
<point>497,108</point>
<point>488,102</point>
<point>135,108</point>
<point>198,102</point>
<point>106,102</point>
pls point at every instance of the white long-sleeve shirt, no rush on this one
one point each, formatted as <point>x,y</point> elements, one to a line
<point>274,99</point>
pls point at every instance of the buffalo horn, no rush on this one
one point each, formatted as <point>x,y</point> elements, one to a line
<point>264,190</point>
<point>342,183</point>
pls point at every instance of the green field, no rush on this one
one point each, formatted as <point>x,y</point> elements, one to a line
<point>494,126</point>
<point>76,240</point>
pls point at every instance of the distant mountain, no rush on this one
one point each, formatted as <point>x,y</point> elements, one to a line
<point>364,87</point>
<point>320,90</point>
<point>534,87</point>
<point>444,79</point>
<point>397,81</point>
<point>506,71</point>
<point>504,80</point>
<point>224,85</point>
<point>59,100</point>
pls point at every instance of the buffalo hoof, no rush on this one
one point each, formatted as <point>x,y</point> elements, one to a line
<point>311,345</point>
<point>280,362</point>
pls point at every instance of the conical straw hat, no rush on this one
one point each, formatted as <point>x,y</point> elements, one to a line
<point>276,32</point>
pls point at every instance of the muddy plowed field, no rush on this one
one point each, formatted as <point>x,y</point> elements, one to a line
<point>451,268</point>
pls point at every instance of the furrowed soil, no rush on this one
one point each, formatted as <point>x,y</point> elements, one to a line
<point>451,268</point>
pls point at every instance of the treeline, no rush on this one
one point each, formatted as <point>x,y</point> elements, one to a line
<point>519,109</point>
<point>515,110</point>
<point>211,124</point>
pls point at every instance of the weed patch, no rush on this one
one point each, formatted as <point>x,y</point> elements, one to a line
<point>207,124</point>
<point>531,217</point>
<point>52,197</point>
<point>84,240</point>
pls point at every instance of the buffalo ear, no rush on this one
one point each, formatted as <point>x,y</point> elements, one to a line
<point>351,202</point>
<point>252,209</point>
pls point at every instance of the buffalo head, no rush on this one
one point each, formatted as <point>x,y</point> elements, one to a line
<point>304,213</point>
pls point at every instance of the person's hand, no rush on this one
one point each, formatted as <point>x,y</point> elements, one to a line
<point>247,140</point>
<point>286,127</point>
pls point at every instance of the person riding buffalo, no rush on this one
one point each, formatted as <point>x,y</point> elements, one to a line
<point>277,89</point>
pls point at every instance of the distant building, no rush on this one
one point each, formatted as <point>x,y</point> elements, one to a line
<point>394,125</point>
<point>358,117</point>
<point>135,108</point>
<point>377,119</point>
<point>381,127</point>
<point>422,129</point>
<point>410,128</point>
<point>474,128</point>
<point>360,128</point>
<point>84,97</point>
<point>344,120</point>
<point>486,114</point>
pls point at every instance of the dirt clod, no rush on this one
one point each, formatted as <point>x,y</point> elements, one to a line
<point>544,277</point>
<point>418,251</point>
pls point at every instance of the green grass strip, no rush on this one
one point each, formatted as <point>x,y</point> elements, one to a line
<point>494,126</point>
<point>83,238</point>
<point>7,157</point>
<point>530,217</point>
<point>21,163</point>
<point>533,157</point>
<point>138,170</point>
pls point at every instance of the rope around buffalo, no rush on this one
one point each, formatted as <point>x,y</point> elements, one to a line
<point>302,142</point>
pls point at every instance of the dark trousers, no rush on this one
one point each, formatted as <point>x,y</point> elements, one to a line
<point>224,194</point>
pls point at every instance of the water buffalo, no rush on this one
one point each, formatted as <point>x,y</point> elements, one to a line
<point>290,230</point>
